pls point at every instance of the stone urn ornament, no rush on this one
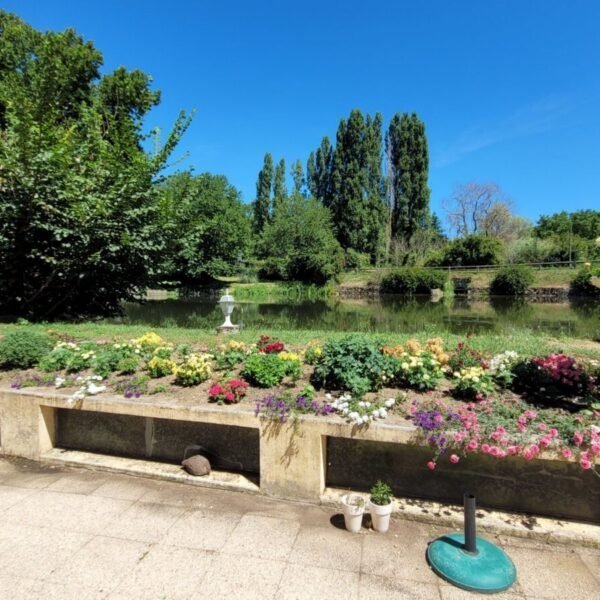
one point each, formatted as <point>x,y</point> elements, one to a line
<point>227,304</point>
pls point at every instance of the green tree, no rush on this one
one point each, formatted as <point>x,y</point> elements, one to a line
<point>262,205</point>
<point>78,201</point>
<point>299,243</point>
<point>298,177</point>
<point>205,228</point>
<point>408,173</point>
<point>472,250</point>
<point>356,188</point>
<point>318,170</point>
<point>279,187</point>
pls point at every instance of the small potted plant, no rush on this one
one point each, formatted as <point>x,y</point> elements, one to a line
<point>380,504</point>
<point>354,507</point>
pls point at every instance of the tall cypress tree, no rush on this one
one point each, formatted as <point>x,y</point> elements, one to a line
<point>262,205</point>
<point>279,188</point>
<point>409,171</point>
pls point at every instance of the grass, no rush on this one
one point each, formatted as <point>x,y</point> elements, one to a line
<point>523,342</point>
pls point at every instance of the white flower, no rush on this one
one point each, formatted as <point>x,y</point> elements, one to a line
<point>382,413</point>
<point>389,403</point>
<point>59,381</point>
<point>94,389</point>
<point>328,396</point>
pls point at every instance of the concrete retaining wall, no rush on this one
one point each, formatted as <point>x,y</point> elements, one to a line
<point>295,462</point>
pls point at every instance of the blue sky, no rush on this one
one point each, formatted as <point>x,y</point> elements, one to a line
<point>509,90</point>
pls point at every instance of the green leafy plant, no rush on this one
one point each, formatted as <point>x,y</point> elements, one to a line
<point>381,493</point>
<point>268,370</point>
<point>22,349</point>
<point>512,281</point>
<point>353,364</point>
<point>413,280</point>
<point>128,365</point>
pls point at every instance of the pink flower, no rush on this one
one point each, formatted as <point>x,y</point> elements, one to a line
<point>472,445</point>
<point>431,465</point>
<point>512,450</point>
<point>229,396</point>
<point>578,438</point>
<point>596,448</point>
<point>454,459</point>
<point>585,464</point>
<point>485,448</point>
<point>567,453</point>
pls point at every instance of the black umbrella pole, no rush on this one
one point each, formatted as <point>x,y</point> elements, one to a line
<point>470,526</point>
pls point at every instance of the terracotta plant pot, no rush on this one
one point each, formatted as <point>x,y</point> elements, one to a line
<point>380,516</point>
<point>354,508</point>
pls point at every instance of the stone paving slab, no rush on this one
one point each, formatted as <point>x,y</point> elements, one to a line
<point>67,533</point>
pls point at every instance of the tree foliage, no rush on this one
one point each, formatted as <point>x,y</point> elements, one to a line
<point>262,204</point>
<point>206,231</point>
<point>299,243</point>
<point>408,172</point>
<point>78,210</point>
<point>471,250</point>
<point>279,187</point>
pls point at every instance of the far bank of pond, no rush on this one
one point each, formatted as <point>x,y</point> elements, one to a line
<point>580,319</point>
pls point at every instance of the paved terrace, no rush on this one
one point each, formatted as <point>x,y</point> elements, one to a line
<point>77,534</point>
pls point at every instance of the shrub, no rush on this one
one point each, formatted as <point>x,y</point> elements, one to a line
<point>228,393</point>
<point>581,285</point>
<point>356,261</point>
<point>412,280</point>
<point>512,281</point>
<point>268,370</point>
<point>472,250</point>
<point>22,349</point>
<point>353,364</point>
<point>194,370</point>
<point>418,368</point>
<point>58,358</point>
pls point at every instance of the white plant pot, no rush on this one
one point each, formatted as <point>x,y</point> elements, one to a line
<point>353,514</point>
<point>380,516</point>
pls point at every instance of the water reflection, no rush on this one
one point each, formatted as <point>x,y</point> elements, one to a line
<point>392,314</point>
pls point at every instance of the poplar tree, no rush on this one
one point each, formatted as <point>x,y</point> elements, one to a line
<point>279,188</point>
<point>298,177</point>
<point>356,199</point>
<point>319,172</point>
<point>262,205</point>
<point>408,174</point>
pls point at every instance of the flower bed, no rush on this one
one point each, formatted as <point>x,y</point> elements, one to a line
<point>460,401</point>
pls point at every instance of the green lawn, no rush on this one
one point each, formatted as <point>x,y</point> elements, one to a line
<point>524,343</point>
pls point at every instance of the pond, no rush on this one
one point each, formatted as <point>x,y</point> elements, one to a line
<point>412,315</point>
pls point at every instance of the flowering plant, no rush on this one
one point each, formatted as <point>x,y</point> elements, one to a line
<point>500,367</point>
<point>228,393</point>
<point>464,357</point>
<point>312,353</point>
<point>194,370</point>
<point>269,345</point>
<point>502,428</point>
<point>361,412</point>
<point>553,377</point>
<point>281,408</point>
<point>268,370</point>
<point>473,382</point>
<point>160,367</point>
<point>417,367</point>
<point>149,341</point>
<point>231,354</point>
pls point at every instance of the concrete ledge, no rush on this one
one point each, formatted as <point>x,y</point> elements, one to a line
<point>149,469</point>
